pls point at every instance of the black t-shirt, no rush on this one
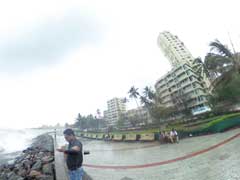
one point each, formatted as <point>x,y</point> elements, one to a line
<point>74,161</point>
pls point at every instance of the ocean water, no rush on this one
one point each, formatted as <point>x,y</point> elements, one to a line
<point>12,142</point>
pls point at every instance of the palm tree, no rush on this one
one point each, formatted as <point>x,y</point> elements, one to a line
<point>225,65</point>
<point>149,93</point>
<point>133,93</point>
<point>221,61</point>
<point>200,68</point>
<point>98,118</point>
<point>147,99</point>
<point>79,121</point>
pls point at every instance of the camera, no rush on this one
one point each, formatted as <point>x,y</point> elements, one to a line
<point>86,152</point>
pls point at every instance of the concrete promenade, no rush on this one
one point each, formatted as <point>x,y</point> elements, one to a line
<point>211,157</point>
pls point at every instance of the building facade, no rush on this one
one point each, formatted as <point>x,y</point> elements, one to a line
<point>138,116</point>
<point>174,49</point>
<point>182,81</point>
<point>116,110</point>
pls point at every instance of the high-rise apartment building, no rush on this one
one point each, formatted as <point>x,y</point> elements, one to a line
<point>174,49</point>
<point>182,80</point>
<point>116,110</point>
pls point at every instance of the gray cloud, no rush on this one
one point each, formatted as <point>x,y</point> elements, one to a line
<point>45,44</point>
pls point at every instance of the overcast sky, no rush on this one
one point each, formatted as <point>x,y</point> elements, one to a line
<point>61,58</point>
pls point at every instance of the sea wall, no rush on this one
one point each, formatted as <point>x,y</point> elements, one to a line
<point>35,162</point>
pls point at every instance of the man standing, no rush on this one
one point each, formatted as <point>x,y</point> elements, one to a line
<point>74,155</point>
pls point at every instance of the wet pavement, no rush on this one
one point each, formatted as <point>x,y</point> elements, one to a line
<point>208,157</point>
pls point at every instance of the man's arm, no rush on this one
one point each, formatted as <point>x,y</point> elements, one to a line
<point>73,151</point>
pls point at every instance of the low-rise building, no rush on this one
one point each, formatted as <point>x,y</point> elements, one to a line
<point>138,116</point>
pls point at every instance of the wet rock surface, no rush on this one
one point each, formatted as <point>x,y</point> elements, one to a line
<point>35,162</point>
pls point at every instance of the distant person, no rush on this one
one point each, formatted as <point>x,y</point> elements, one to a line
<point>74,157</point>
<point>174,136</point>
<point>171,136</point>
<point>163,137</point>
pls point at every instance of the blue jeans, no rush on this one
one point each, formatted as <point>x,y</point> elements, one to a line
<point>76,174</point>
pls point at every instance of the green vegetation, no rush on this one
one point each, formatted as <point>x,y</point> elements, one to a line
<point>88,122</point>
<point>224,68</point>
<point>211,125</point>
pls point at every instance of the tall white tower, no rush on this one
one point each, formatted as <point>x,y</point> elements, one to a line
<point>116,108</point>
<point>174,49</point>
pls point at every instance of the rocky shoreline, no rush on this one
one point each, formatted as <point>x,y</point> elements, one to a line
<point>36,162</point>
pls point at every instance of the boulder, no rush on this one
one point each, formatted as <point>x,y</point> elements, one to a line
<point>37,165</point>
<point>1,168</point>
<point>22,172</point>
<point>45,177</point>
<point>34,173</point>
<point>41,155</point>
<point>15,177</point>
<point>3,176</point>
<point>10,174</point>
<point>47,169</point>
<point>47,159</point>
<point>44,142</point>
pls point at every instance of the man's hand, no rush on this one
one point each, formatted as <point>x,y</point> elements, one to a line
<point>60,149</point>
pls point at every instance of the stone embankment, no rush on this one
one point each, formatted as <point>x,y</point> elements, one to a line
<point>35,162</point>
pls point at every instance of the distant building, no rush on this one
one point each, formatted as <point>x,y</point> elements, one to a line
<point>116,110</point>
<point>183,78</point>
<point>174,49</point>
<point>141,115</point>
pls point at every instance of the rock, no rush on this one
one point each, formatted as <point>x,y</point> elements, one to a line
<point>11,166</point>
<point>1,168</point>
<point>34,173</point>
<point>47,159</point>
<point>45,177</point>
<point>41,155</point>
<point>37,165</point>
<point>47,169</point>
<point>29,164</point>
<point>10,174</point>
<point>28,156</point>
<point>18,166</point>
<point>3,176</point>
<point>20,178</point>
<point>19,159</point>
<point>44,142</point>
<point>22,172</point>
<point>15,177</point>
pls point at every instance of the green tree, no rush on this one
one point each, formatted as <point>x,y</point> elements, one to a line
<point>180,102</point>
<point>221,62</point>
<point>133,120</point>
<point>225,65</point>
<point>154,105</point>
<point>121,120</point>
<point>134,94</point>
<point>79,121</point>
<point>226,94</point>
